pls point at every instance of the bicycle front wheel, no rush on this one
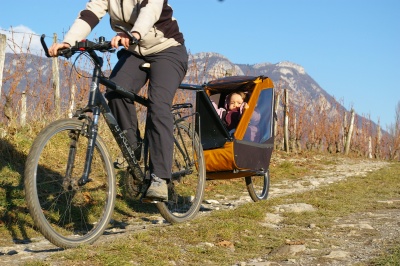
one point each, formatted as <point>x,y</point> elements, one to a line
<point>66,213</point>
<point>258,186</point>
<point>186,188</point>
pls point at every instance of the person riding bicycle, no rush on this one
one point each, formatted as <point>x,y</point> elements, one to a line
<point>161,44</point>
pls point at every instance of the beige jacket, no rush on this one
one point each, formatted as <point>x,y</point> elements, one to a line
<point>152,19</point>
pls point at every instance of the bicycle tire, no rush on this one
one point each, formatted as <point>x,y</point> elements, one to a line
<point>67,214</point>
<point>258,186</point>
<point>186,193</point>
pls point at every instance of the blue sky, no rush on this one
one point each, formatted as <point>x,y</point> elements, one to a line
<point>351,48</point>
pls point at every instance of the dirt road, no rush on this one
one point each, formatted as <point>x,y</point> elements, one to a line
<point>357,237</point>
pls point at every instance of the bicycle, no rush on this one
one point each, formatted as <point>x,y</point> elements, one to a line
<point>70,183</point>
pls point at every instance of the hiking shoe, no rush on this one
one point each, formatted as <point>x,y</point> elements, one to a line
<point>157,191</point>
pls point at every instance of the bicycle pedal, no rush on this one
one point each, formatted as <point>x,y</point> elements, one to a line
<point>145,200</point>
<point>152,200</point>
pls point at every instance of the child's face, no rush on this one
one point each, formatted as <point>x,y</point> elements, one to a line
<point>235,101</point>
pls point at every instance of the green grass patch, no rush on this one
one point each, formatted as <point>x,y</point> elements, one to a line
<point>388,258</point>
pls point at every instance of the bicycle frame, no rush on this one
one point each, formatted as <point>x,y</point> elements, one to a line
<point>97,105</point>
<point>71,209</point>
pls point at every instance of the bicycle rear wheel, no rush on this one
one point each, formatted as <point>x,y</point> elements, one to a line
<point>186,189</point>
<point>66,213</point>
<point>258,186</point>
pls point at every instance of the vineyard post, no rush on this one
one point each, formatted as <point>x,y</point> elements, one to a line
<point>344,128</point>
<point>23,109</point>
<point>56,81</point>
<point>350,132</point>
<point>286,121</point>
<point>378,142</point>
<point>276,107</point>
<point>2,57</point>
<point>369,147</point>
<point>71,101</point>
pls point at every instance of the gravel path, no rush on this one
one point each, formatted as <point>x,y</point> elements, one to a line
<point>358,236</point>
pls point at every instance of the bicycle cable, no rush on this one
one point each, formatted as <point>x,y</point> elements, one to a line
<point>79,72</point>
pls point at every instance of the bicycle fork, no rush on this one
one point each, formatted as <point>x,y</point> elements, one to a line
<point>92,135</point>
<point>88,129</point>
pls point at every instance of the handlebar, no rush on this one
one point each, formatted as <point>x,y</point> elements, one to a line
<point>85,45</point>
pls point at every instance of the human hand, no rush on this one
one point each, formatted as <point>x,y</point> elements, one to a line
<point>122,39</point>
<point>53,50</point>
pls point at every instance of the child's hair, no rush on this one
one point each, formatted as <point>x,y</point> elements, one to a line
<point>241,93</point>
<point>229,96</point>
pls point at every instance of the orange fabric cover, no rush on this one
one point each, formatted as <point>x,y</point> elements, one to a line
<point>221,159</point>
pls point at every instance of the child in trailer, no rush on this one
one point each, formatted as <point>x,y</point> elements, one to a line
<point>233,111</point>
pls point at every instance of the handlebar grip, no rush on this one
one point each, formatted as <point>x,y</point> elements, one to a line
<point>63,52</point>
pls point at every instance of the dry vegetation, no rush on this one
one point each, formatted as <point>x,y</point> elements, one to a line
<point>314,125</point>
<point>325,131</point>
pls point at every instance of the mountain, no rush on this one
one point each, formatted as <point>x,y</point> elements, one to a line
<point>285,75</point>
<point>303,89</point>
<point>20,70</point>
<point>203,67</point>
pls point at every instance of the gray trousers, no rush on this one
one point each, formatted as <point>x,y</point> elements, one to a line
<point>168,68</point>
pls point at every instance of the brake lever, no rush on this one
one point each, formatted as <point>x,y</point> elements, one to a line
<point>132,39</point>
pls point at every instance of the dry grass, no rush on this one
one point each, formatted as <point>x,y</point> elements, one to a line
<point>226,237</point>
<point>221,238</point>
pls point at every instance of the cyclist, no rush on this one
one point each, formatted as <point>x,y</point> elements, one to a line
<point>162,45</point>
